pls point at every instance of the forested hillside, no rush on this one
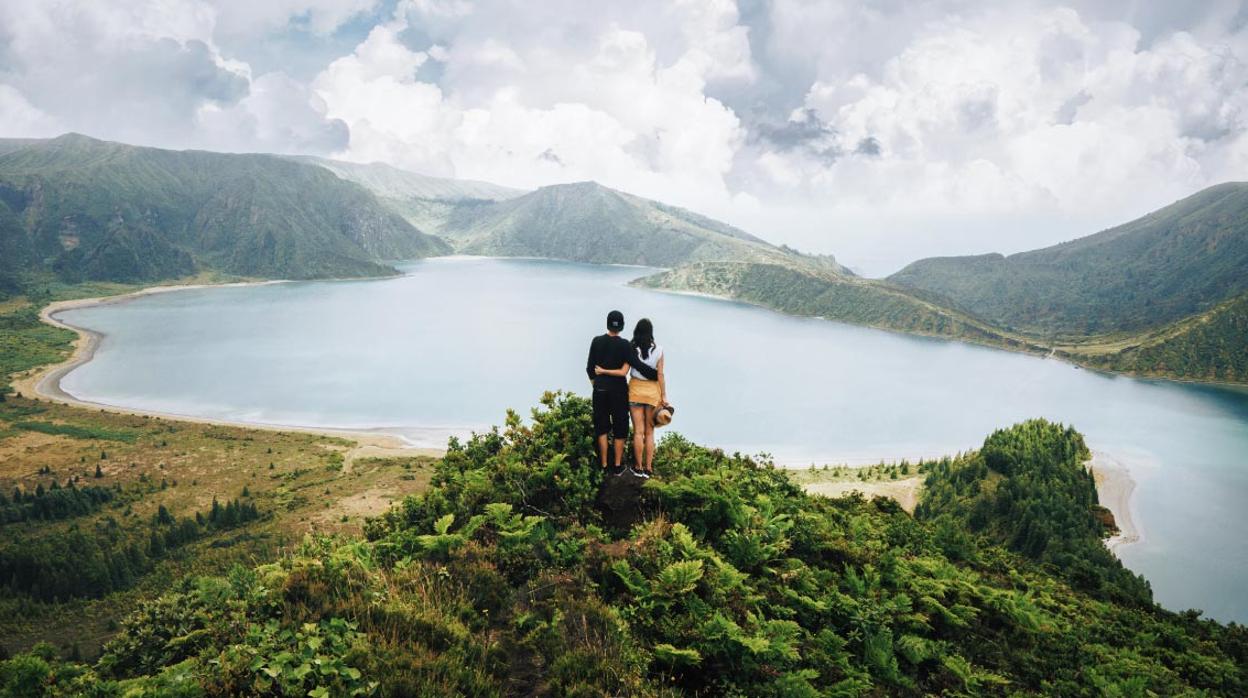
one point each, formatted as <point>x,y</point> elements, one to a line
<point>1181,260</point>
<point>833,297</point>
<point>1210,346</point>
<point>81,209</point>
<point>506,578</point>
<point>1028,489</point>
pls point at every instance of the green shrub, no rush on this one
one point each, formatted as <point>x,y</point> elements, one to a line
<point>502,579</point>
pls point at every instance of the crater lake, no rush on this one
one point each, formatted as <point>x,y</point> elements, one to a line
<point>447,347</point>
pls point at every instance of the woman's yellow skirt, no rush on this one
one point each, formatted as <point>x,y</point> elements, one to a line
<point>643,392</point>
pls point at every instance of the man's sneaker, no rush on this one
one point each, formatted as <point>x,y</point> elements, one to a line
<point>642,474</point>
<point>618,470</point>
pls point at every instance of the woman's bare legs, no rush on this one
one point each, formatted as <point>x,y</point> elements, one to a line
<point>650,440</point>
<point>640,422</point>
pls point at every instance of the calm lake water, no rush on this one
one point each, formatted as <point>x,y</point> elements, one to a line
<point>456,341</point>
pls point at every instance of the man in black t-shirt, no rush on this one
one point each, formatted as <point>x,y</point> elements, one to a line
<point>611,351</point>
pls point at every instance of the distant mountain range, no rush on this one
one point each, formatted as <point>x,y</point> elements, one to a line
<point>84,209</point>
<point>1183,259</point>
<point>580,222</point>
<point>1165,295</point>
<point>587,222</point>
<point>431,204</point>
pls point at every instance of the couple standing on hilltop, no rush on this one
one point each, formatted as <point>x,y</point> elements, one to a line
<point>628,378</point>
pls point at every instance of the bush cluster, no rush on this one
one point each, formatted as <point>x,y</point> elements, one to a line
<point>505,578</point>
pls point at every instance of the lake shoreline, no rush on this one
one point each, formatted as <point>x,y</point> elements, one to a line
<point>1115,485</point>
<point>1115,488</point>
<point>44,382</point>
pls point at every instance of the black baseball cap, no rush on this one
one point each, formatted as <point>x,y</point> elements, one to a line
<point>615,320</point>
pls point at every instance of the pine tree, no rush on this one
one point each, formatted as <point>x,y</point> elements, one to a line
<point>156,546</point>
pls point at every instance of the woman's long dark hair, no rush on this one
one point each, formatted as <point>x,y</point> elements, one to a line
<point>643,337</point>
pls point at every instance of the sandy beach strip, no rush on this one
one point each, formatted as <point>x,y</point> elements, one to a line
<point>45,383</point>
<point>1114,488</point>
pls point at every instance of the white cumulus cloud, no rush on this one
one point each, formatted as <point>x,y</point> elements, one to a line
<point>605,105</point>
<point>880,131</point>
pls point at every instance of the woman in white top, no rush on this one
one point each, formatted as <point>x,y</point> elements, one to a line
<point>645,396</point>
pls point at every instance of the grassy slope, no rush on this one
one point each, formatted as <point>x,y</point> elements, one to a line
<point>506,578</point>
<point>1181,260</point>
<point>87,209</point>
<point>306,490</point>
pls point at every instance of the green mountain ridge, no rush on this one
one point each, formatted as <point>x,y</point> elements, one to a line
<point>587,222</point>
<point>84,209</point>
<point>1175,262</point>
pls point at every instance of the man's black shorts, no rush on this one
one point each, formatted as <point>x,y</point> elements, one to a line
<point>611,413</point>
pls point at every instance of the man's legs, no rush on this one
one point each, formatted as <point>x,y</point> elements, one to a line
<point>619,450</point>
<point>602,423</point>
<point>619,424</point>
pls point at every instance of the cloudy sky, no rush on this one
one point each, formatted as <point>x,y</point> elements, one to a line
<point>878,131</point>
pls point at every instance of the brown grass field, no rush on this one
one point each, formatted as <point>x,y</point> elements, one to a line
<point>302,483</point>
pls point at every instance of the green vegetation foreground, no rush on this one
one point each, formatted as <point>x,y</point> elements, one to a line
<point>504,578</point>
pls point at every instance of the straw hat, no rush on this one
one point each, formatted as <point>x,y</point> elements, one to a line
<point>663,415</point>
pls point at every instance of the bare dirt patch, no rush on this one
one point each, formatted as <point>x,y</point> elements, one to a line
<point>904,492</point>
